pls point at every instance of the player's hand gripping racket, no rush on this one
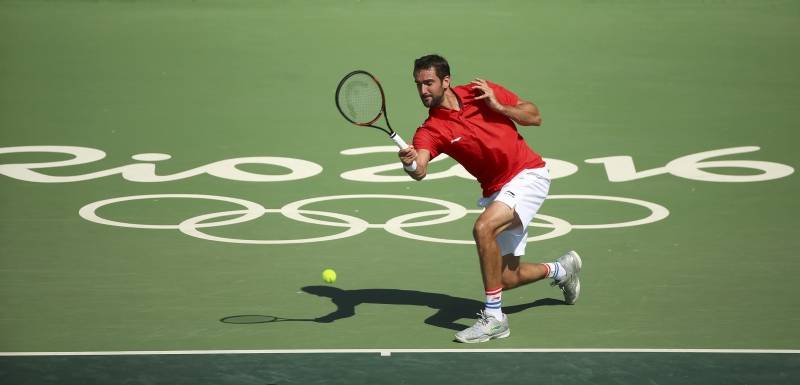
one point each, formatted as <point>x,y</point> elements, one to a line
<point>360,99</point>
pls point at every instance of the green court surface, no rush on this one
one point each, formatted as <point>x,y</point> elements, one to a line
<point>140,142</point>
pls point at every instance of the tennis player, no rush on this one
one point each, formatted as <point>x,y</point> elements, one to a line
<point>474,124</point>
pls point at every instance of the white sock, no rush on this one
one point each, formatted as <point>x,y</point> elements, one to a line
<point>494,303</point>
<point>555,270</point>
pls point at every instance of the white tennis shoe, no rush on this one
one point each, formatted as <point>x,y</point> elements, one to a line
<point>570,285</point>
<point>486,328</point>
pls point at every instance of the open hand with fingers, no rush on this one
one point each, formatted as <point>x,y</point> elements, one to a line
<point>486,93</point>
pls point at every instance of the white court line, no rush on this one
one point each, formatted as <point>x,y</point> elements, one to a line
<point>388,352</point>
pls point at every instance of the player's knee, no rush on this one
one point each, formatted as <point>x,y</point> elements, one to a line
<point>482,229</point>
<point>510,279</point>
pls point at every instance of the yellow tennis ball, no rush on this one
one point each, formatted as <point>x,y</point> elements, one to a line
<point>329,276</point>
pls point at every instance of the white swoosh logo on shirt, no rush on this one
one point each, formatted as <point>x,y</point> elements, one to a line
<point>455,140</point>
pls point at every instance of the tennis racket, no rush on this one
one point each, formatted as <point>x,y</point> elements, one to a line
<point>360,99</point>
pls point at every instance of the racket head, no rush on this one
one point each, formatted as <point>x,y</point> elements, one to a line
<point>360,98</point>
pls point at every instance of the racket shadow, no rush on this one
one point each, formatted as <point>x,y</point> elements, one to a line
<point>448,309</point>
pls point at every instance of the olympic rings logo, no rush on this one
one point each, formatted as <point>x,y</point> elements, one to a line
<point>353,226</point>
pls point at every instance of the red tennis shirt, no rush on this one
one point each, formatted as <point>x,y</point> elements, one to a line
<point>484,141</point>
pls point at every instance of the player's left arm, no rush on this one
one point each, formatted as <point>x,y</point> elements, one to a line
<point>524,112</point>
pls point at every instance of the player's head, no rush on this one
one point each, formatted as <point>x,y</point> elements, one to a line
<point>432,75</point>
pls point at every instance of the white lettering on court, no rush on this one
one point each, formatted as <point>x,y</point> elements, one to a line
<point>622,169</point>
<point>618,168</point>
<point>146,172</point>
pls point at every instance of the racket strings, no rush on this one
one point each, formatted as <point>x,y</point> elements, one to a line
<point>360,99</point>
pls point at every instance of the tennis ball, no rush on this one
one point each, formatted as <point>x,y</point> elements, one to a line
<point>329,276</point>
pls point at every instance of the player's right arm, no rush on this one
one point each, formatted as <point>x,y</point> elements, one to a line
<point>410,155</point>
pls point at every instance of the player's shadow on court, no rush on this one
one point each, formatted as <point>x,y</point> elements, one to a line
<point>448,309</point>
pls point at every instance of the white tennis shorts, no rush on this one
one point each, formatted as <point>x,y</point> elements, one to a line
<point>525,194</point>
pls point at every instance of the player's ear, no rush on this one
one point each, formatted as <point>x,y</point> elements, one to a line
<point>446,82</point>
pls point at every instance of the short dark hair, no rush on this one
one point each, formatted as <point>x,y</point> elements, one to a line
<point>438,63</point>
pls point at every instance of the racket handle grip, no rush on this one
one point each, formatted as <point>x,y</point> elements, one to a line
<point>403,145</point>
<point>398,141</point>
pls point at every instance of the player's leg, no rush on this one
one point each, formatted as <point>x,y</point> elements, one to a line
<point>516,273</point>
<point>492,322</point>
<point>564,271</point>
<point>530,190</point>
<point>512,242</point>
<point>496,218</point>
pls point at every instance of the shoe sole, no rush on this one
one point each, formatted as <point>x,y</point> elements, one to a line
<point>578,257</point>
<point>578,270</point>
<point>578,291</point>
<point>486,338</point>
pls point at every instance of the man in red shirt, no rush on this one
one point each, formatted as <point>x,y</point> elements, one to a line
<point>474,124</point>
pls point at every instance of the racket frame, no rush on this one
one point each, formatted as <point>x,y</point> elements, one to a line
<point>398,141</point>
